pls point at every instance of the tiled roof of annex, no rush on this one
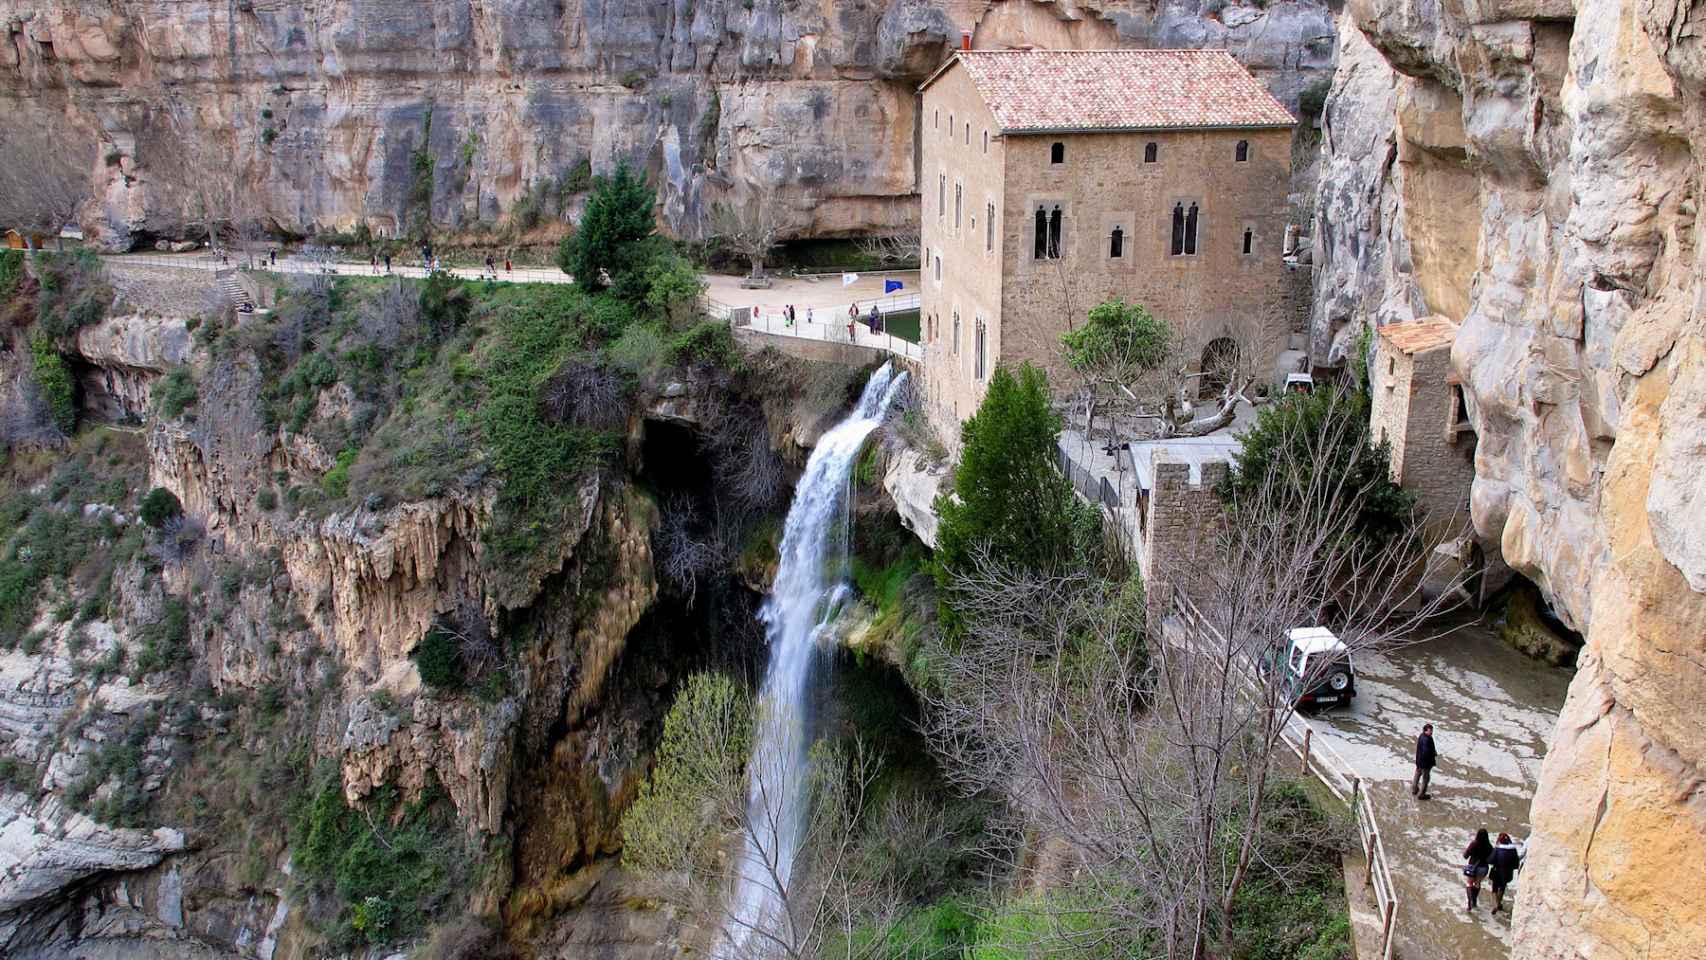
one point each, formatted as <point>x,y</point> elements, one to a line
<point>1049,91</point>
<point>1420,336</point>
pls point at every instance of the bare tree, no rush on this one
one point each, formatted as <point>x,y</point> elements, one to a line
<point>588,394</point>
<point>467,626</point>
<point>689,546</point>
<point>45,171</point>
<point>752,228</point>
<point>892,248</point>
<point>1143,731</point>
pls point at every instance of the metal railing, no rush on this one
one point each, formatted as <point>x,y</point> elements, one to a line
<point>259,263</point>
<point>1320,761</point>
<point>828,324</point>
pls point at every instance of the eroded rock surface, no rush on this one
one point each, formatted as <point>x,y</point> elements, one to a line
<point>324,104</point>
<point>1531,170</point>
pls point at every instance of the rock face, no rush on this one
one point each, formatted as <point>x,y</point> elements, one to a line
<point>333,113</point>
<point>1531,170</point>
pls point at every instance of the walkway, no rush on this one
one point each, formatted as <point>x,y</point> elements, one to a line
<point>1492,709</point>
<point>292,264</point>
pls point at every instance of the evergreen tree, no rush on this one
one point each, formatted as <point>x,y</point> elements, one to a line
<point>1007,493</point>
<point>613,240</point>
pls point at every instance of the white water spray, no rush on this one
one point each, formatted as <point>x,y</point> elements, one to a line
<point>809,589</point>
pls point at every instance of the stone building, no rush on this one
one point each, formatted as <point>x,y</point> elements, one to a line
<point>1418,408</point>
<point>1053,180</point>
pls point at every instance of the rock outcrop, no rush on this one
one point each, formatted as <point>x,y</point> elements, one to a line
<point>333,113</point>
<point>1532,170</point>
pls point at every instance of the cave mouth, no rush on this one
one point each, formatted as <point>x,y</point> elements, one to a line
<point>672,460</point>
<point>1525,619</point>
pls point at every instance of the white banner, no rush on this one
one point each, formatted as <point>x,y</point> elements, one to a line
<point>849,279</point>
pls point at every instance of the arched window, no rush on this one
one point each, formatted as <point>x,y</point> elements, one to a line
<point>1116,244</point>
<point>1219,363</point>
<point>1191,231</point>
<point>1249,240</point>
<point>938,268</point>
<point>986,141</point>
<point>1178,247</point>
<point>1057,152</point>
<point>1243,151</point>
<point>1149,150</point>
<point>1054,233</point>
<point>1041,250</point>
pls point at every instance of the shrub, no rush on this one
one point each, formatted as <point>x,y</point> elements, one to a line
<point>706,738</point>
<point>11,273</point>
<point>53,376</point>
<point>336,481</point>
<point>444,304</point>
<point>1007,495</point>
<point>176,393</point>
<point>438,658</point>
<point>268,136</point>
<point>637,350</point>
<point>159,506</point>
<point>267,499</point>
<point>707,342</point>
<point>166,641</point>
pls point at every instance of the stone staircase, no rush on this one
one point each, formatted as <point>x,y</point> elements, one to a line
<point>233,290</point>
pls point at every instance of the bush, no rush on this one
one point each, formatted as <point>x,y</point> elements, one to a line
<point>166,641</point>
<point>438,658</point>
<point>1313,99</point>
<point>53,375</point>
<point>11,273</point>
<point>1007,495</point>
<point>638,350</point>
<point>159,506</point>
<point>707,342</point>
<point>707,735</point>
<point>267,499</point>
<point>336,481</point>
<point>176,393</point>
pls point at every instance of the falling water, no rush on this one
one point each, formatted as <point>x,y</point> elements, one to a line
<point>808,591</point>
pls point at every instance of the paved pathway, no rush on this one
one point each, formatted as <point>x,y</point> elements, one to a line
<point>1492,709</point>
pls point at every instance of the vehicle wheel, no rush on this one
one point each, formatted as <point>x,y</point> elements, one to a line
<point>1339,681</point>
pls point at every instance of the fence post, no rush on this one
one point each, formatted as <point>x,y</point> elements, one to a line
<point>1308,733</point>
<point>1386,929</point>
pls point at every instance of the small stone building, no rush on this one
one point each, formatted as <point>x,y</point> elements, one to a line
<point>1418,407</point>
<point>1052,180</point>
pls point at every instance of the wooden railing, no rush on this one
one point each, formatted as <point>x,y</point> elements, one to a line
<point>1317,758</point>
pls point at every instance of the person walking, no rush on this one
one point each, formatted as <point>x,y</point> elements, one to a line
<point>491,266</point>
<point>387,263</point>
<point>373,262</point>
<point>274,255</point>
<point>1477,859</point>
<point>507,267</point>
<point>1426,756</point>
<point>1503,865</point>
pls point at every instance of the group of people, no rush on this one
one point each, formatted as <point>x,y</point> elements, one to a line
<point>791,315</point>
<point>1484,860</point>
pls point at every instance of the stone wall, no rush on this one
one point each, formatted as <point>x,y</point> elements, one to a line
<point>316,108</point>
<point>1411,409</point>
<point>1534,169</point>
<point>1181,521</point>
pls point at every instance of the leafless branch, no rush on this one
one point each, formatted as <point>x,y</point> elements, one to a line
<point>752,227</point>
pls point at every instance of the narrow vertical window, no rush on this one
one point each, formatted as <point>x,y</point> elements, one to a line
<point>1178,246</point>
<point>1116,244</point>
<point>1191,230</point>
<point>986,141</point>
<point>1149,150</point>
<point>1054,233</point>
<point>982,342</point>
<point>956,333</point>
<point>942,195</point>
<point>968,134</point>
<point>1041,251</point>
<point>1249,240</point>
<point>1057,153</point>
<point>1242,152</point>
<point>989,228</point>
<point>936,120</point>
<point>938,268</point>
<point>950,126</point>
<point>958,206</point>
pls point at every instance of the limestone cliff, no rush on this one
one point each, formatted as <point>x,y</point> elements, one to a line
<point>324,112</point>
<point>1532,170</point>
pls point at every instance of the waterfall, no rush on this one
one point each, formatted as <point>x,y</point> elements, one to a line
<point>809,589</point>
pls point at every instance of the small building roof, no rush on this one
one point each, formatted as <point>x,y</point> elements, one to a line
<point>1193,451</point>
<point>1108,91</point>
<point>1419,336</point>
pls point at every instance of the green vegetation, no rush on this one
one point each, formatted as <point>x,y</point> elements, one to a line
<point>438,658</point>
<point>707,735</point>
<point>1323,431</point>
<point>11,273</point>
<point>1118,334</point>
<point>73,292</point>
<point>175,393</point>
<point>166,641</point>
<point>110,789</point>
<point>1007,496</point>
<point>610,245</point>
<point>53,375</point>
<point>41,544</point>
<point>1313,99</point>
<point>1302,915</point>
<point>392,866</point>
<point>159,506</point>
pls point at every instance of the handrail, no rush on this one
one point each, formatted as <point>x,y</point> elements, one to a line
<point>836,329</point>
<point>1321,761</point>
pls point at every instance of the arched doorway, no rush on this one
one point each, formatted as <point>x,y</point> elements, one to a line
<point>1219,364</point>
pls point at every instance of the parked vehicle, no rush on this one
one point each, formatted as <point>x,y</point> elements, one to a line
<point>1315,667</point>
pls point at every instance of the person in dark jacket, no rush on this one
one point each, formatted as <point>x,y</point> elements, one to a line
<point>1426,756</point>
<point>1477,859</point>
<point>1503,865</point>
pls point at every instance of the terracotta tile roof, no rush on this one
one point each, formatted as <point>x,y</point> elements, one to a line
<point>1420,336</point>
<point>1040,91</point>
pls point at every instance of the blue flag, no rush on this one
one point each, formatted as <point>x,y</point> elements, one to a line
<point>890,286</point>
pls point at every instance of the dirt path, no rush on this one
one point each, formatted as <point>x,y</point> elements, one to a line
<point>1492,710</point>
